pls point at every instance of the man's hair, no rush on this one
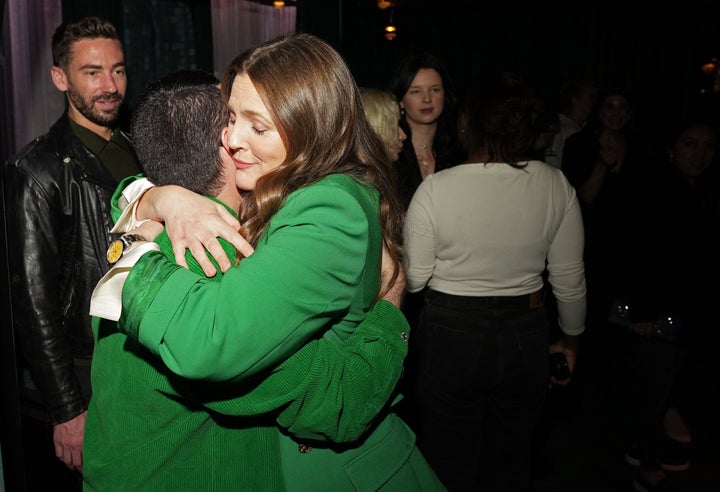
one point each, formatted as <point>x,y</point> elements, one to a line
<point>176,129</point>
<point>503,116</point>
<point>68,33</point>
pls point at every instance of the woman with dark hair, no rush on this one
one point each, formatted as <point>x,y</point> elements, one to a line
<point>428,107</point>
<point>605,163</point>
<point>480,236</point>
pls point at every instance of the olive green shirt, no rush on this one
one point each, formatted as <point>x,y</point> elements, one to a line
<point>115,154</point>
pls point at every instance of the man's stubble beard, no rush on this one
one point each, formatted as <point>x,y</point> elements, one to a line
<point>87,107</point>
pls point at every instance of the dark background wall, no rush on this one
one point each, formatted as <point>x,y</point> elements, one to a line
<point>655,57</point>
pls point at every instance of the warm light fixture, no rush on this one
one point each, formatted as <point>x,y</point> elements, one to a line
<point>712,69</point>
<point>278,4</point>
<point>390,29</point>
<point>709,67</point>
<point>383,4</point>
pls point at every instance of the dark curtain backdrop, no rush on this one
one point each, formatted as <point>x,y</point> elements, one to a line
<point>656,58</point>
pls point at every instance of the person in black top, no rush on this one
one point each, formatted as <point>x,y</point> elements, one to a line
<point>670,257</point>
<point>428,107</point>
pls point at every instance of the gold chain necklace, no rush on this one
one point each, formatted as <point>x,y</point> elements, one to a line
<point>422,156</point>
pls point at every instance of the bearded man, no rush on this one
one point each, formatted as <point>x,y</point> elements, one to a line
<point>57,192</point>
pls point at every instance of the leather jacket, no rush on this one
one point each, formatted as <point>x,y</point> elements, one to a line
<point>57,195</point>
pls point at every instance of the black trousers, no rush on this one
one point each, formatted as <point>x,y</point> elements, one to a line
<point>480,384</point>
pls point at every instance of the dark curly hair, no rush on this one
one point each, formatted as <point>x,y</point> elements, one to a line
<point>501,118</point>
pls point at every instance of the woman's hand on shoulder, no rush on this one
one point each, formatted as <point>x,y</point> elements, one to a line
<point>194,222</point>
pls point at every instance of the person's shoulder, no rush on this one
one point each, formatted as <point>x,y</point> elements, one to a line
<point>451,176</point>
<point>538,165</point>
<point>551,175</point>
<point>457,169</point>
<point>333,183</point>
<point>37,157</point>
<point>337,179</point>
<point>338,190</point>
<point>44,152</point>
<point>542,168</point>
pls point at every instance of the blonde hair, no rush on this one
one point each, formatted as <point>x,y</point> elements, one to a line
<point>383,113</point>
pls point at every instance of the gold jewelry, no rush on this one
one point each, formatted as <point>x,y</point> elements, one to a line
<point>422,160</point>
<point>422,156</point>
<point>120,246</point>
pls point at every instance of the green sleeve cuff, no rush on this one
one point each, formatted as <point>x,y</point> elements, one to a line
<point>384,314</point>
<point>144,281</point>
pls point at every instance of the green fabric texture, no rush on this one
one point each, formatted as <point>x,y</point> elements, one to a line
<point>150,429</point>
<point>318,264</point>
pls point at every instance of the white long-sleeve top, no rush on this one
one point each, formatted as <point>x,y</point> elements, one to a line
<point>490,230</point>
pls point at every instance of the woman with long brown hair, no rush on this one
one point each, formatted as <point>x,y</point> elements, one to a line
<point>319,207</point>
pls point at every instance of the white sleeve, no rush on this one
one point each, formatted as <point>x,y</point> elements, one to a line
<point>418,239</point>
<point>106,301</point>
<point>128,201</point>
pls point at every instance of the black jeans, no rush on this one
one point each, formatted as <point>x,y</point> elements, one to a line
<point>481,379</point>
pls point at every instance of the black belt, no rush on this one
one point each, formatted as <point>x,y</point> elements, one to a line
<point>532,301</point>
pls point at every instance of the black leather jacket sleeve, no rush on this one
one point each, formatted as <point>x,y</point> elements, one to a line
<point>37,227</point>
<point>57,205</point>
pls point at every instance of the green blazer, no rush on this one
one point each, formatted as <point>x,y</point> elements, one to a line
<point>317,265</point>
<point>326,390</point>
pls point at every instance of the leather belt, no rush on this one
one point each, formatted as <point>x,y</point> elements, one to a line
<point>533,301</point>
<point>536,299</point>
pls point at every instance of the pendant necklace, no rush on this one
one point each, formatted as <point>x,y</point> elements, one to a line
<point>422,158</point>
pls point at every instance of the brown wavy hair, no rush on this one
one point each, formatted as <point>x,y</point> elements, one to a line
<point>316,106</point>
